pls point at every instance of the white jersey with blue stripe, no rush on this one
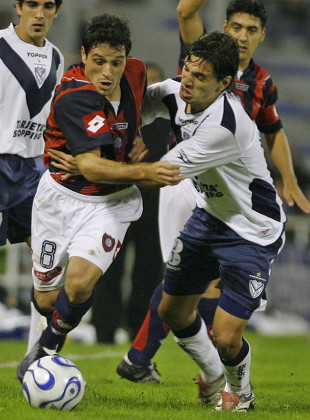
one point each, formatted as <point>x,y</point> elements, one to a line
<point>224,157</point>
<point>29,75</point>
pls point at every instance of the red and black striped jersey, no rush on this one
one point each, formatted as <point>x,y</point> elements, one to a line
<point>82,119</point>
<point>257,92</point>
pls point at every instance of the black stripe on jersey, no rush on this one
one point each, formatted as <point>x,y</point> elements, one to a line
<point>228,120</point>
<point>272,96</point>
<point>171,104</point>
<point>264,199</point>
<point>36,97</point>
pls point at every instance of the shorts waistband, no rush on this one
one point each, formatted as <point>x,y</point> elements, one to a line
<point>87,198</point>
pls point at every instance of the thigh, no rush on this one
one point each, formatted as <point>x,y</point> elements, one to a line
<point>191,267</point>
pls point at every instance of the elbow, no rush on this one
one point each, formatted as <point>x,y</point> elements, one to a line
<point>183,12</point>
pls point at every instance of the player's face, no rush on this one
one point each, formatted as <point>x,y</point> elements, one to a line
<point>248,31</point>
<point>199,87</point>
<point>36,18</point>
<point>104,67</point>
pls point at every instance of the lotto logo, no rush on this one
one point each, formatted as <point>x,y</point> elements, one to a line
<point>96,123</point>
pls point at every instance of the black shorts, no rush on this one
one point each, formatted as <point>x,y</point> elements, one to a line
<point>19,179</point>
<point>217,251</point>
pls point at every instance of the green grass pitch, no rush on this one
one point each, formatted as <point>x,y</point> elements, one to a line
<point>280,374</point>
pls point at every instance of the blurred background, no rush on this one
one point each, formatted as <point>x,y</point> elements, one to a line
<point>285,53</point>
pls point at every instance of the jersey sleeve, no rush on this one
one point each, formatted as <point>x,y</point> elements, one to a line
<point>153,105</point>
<point>210,147</point>
<point>267,119</point>
<point>80,117</point>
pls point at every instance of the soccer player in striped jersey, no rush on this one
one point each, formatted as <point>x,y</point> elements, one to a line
<point>246,21</point>
<point>78,224</point>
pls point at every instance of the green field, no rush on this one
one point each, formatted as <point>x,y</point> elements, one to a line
<point>280,375</point>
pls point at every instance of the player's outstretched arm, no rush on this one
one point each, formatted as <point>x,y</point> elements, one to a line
<point>190,23</point>
<point>97,169</point>
<point>281,155</point>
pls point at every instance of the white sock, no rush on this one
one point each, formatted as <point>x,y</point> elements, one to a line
<point>203,352</point>
<point>38,323</point>
<point>238,377</point>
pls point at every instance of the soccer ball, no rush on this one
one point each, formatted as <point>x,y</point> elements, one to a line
<point>53,382</point>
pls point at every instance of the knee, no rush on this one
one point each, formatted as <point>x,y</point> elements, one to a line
<point>171,317</point>
<point>78,291</point>
<point>45,301</point>
<point>223,339</point>
<point>227,343</point>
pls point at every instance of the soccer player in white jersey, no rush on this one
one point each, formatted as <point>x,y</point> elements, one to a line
<point>237,227</point>
<point>30,67</point>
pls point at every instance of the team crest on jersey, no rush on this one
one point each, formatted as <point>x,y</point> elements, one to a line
<point>118,142</point>
<point>39,72</point>
<point>95,123</point>
<point>256,285</point>
<point>108,242</point>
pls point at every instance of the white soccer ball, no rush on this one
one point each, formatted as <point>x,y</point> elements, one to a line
<point>53,382</point>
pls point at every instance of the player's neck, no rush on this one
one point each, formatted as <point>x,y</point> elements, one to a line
<point>24,37</point>
<point>244,64</point>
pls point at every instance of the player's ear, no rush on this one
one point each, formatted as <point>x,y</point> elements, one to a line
<point>264,31</point>
<point>83,55</point>
<point>18,8</point>
<point>224,83</point>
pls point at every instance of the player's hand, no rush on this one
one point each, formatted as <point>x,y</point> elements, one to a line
<point>162,173</point>
<point>138,151</point>
<point>64,162</point>
<point>293,195</point>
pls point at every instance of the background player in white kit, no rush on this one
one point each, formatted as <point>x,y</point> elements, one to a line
<point>234,233</point>
<point>30,67</point>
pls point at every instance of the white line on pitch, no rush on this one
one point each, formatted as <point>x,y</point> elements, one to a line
<point>103,355</point>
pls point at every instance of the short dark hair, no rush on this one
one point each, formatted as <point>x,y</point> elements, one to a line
<point>222,51</point>
<point>107,28</point>
<point>57,2</point>
<point>252,7</point>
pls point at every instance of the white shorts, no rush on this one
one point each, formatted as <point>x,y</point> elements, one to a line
<point>67,224</point>
<point>176,204</point>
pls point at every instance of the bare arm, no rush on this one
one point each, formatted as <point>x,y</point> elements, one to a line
<point>97,169</point>
<point>190,22</point>
<point>281,155</point>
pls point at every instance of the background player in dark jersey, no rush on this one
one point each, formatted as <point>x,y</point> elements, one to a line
<point>78,224</point>
<point>246,21</point>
